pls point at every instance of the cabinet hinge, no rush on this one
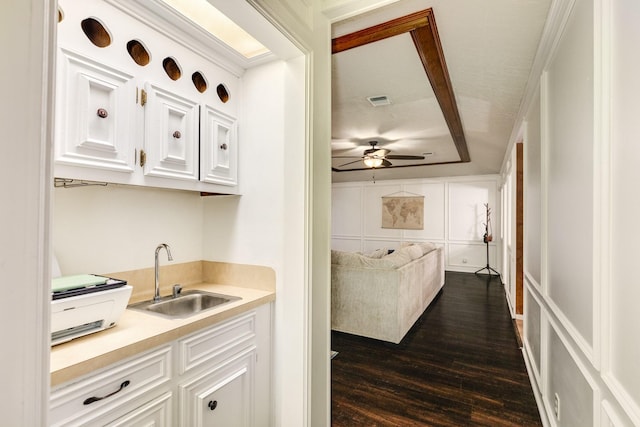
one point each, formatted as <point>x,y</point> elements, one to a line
<point>143,158</point>
<point>143,97</point>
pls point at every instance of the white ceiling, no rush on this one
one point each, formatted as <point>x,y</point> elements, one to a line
<point>489,47</point>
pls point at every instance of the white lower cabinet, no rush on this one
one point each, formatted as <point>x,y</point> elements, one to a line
<point>218,376</point>
<point>223,396</point>
<point>156,413</point>
<point>112,392</point>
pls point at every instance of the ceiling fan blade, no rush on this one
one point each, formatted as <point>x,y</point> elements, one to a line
<point>355,161</point>
<point>346,157</point>
<point>404,157</point>
<point>386,163</point>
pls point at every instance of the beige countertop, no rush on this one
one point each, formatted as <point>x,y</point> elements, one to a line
<point>137,331</point>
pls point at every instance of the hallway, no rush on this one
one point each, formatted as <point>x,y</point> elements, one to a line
<point>459,365</point>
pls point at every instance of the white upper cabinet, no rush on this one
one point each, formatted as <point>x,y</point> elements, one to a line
<point>171,134</point>
<point>96,126</point>
<point>219,151</point>
<point>140,104</point>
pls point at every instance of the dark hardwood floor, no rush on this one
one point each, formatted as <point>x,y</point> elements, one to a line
<point>459,365</point>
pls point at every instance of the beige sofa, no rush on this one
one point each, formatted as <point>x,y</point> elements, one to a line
<point>382,297</point>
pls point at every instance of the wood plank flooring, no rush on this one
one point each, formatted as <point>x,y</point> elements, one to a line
<point>459,365</point>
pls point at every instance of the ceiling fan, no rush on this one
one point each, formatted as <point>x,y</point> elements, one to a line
<point>375,157</point>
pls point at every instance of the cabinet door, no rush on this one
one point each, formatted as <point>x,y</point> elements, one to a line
<point>171,135</point>
<point>156,413</point>
<point>224,396</point>
<point>219,150</point>
<point>96,109</point>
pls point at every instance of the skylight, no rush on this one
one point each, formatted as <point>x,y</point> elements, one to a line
<point>215,22</point>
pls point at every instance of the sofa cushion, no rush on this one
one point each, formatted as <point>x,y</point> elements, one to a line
<point>351,259</point>
<point>414,251</point>
<point>427,247</point>
<point>396,259</point>
<point>378,253</point>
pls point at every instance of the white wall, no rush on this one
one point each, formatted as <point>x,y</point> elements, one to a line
<point>581,208</point>
<point>266,225</point>
<point>117,228</point>
<point>454,215</point>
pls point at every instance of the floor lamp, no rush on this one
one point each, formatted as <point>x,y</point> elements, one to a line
<point>488,237</point>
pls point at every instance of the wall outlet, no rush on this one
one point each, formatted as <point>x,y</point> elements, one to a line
<point>556,406</point>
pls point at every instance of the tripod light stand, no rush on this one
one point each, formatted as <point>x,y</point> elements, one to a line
<point>488,237</point>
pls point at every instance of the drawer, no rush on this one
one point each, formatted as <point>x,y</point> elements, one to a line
<point>216,344</point>
<point>152,414</point>
<point>119,387</point>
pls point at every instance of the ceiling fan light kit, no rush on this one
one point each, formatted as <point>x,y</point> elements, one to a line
<point>375,157</point>
<point>372,162</point>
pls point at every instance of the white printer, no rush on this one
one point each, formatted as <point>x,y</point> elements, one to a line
<point>84,304</point>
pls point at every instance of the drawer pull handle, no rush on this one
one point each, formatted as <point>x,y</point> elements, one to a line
<point>90,400</point>
<point>177,134</point>
<point>213,404</point>
<point>223,147</point>
<point>102,113</point>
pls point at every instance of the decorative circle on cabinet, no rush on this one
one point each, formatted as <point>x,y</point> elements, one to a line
<point>96,32</point>
<point>60,14</point>
<point>199,81</point>
<point>172,68</point>
<point>223,94</point>
<point>138,52</point>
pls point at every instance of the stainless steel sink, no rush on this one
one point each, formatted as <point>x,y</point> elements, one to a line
<point>185,304</point>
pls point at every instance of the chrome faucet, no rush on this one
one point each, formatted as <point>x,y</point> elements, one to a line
<point>156,296</point>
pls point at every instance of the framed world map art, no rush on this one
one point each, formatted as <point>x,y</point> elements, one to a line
<point>404,212</point>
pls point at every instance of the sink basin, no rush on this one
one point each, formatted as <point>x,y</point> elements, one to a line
<point>186,304</point>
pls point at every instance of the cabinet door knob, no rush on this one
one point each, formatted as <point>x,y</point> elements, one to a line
<point>223,147</point>
<point>213,404</point>
<point>177,134</point>
<point>102,113</point>
<point>90,400</point>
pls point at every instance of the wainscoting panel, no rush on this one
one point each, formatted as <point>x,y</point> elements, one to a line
<point>532,330</point>
<point>453,206</point>
<point>346,205</point>
<point>565,379</point>
<point>434,219</point>
<point>569,106</point>
<point>467,257</point>
<point>346,244</point>
<point>467,211</point>
<point>533,201</point>
<point>621,358</point>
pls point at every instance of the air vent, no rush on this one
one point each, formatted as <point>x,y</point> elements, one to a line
<point>377,101</point>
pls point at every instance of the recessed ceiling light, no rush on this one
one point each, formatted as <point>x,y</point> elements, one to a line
<point>219,25</point>
<point>379,100</point>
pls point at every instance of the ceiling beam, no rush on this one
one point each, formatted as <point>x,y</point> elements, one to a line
<point>427,42</point>
<point>424,33</point>
<point>382,31</point>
